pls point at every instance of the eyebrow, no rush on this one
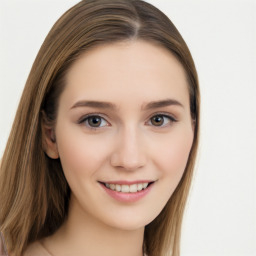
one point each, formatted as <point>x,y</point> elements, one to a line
<point>111,106</point>
<point>94,104</point>
<point>161,103</point>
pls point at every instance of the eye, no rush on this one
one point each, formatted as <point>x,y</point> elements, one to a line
<point>161,120</point>
<point>94,121</point>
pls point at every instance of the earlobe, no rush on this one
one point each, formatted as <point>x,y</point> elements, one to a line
<point>49,141</point>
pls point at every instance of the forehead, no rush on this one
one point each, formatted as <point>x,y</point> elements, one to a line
<point>126,69</point>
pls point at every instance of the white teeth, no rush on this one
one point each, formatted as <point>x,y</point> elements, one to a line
<point>112,186</point>
<point>144,185</point>
<point>133,188</point>
<point>127,188</point>
<point>118,188</point>
<point>140,187</point>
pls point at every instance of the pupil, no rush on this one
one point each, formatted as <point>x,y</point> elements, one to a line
<point>94,121</point>
<point>157,120</point>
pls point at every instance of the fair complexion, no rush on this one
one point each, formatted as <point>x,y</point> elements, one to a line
<point>123,119</point>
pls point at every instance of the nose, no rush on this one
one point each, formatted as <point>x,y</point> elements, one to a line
<point>129,152</point>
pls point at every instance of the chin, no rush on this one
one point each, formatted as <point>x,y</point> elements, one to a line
<point>131,221</point>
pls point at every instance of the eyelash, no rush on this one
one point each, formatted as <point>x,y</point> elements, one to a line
<point>85,119</point>
<point>162,115</point>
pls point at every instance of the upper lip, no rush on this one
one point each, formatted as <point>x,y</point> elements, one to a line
<point>126,182</point>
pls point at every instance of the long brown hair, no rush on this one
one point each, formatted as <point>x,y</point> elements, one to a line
<point>34,193</point>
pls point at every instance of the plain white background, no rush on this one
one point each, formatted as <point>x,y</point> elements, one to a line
<point>221,215</point>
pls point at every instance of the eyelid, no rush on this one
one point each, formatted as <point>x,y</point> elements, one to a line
<point>103,116</point>
<point>164,114</point>
<point>82,119</point>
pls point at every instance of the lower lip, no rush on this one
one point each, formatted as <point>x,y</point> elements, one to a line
<point>127,197</point>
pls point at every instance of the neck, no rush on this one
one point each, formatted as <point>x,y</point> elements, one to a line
<point>82,234</point>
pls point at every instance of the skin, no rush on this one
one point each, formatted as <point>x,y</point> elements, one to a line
<point>127,145</point>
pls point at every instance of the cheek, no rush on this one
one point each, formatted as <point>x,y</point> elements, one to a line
<point>80,155</point>
<point>170,161</point>
<point>173,156</point>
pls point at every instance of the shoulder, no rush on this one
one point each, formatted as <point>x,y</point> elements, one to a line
<point>37,249</point>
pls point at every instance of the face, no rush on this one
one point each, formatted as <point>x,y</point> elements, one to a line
<point>124,132</point>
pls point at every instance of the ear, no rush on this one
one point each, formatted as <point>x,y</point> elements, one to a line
<point>48,139</point>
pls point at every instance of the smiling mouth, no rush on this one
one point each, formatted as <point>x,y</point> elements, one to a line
<point>125,188</point>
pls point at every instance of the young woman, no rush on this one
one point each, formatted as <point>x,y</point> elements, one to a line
<point>101,154</point>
